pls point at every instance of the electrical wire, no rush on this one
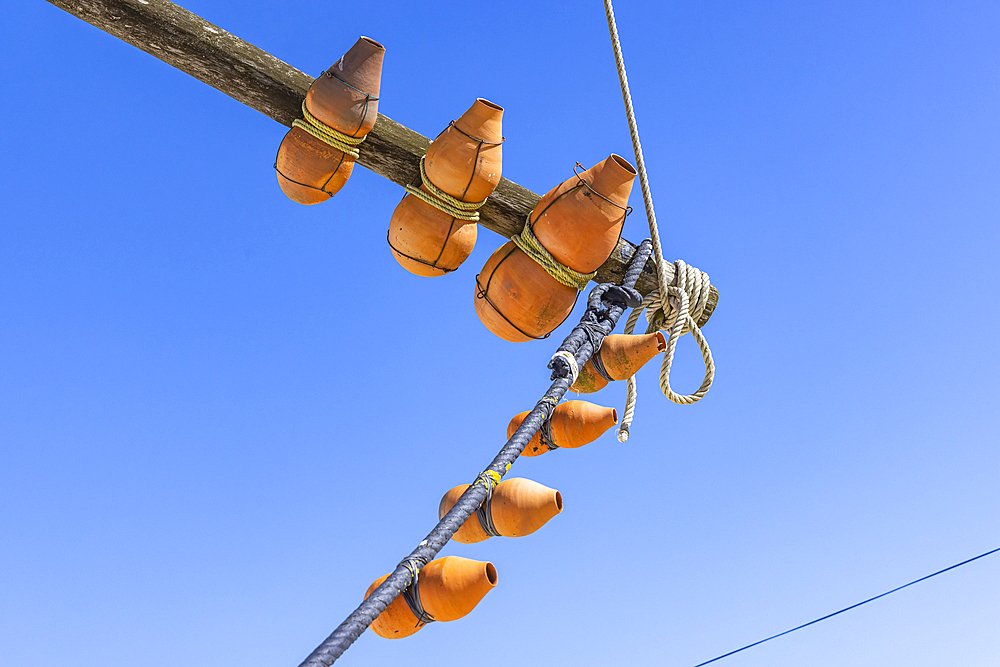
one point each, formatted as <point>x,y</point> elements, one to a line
<point>853,606</point>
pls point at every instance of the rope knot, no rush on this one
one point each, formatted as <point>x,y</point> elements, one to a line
<point>676,314</point>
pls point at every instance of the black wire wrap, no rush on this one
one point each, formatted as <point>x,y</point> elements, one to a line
<point>604,313</point>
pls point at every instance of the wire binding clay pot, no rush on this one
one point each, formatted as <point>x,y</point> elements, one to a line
<point>449,588</point>
<point>518,507</point>
<point>623,356</point>
<point>517,300</point>
<point>344,98</point>
<point>573,424</point>
<point>465,161</point>
<point>577,224</point>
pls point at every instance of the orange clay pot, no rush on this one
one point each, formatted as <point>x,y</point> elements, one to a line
<point>519,507</point>
<point>574,424</point>
<point>309,170</point>
<point>517,300</point>
<point>623,356</point>
<point>429,242</point>
<point>578,227</point>
<point>449,587</point>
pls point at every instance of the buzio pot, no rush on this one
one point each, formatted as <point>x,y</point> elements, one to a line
<point>464,161</point>
<point>623,356</point>
<point>518,507</point>
<point>580,225</point>
<point>573,424</point>
<point>449,588</point>
<point>517,300</point>
<point>344,98</point>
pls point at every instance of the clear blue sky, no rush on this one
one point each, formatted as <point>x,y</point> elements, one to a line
<point>223,415</point>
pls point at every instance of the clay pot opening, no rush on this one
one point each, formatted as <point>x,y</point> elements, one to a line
<point>491,574</point>
<point>624,164</point>
<point>614,415</point>
<point>661,345</point>
<point>491,105</point>
<point>373,42</point>
<point>559,501</point>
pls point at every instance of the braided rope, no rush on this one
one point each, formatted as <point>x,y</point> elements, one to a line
<point>675,307</point>
<point>534,249</point>
<point>344,143</point>
<point>444,202</point>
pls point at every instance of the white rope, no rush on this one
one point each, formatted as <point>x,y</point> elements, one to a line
<point>574,368</point>
<point>690,286</point>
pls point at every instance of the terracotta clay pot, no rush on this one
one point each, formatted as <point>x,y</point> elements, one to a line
<point>578,227</point>
<point>426,241</point>
<point>573,424</point>
<point>517,300</point>
<point>449,588</point>
<point>518,507</point>
<point>397,621</point>
<point>309,170</point>
<point>623,356</point>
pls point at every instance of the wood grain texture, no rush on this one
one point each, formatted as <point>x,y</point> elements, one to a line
<point>276,89</point>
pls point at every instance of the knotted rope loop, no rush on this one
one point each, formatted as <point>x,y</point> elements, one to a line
<point>534,249</point>
<point>677,315</point>
<point>442,201</point>
<point>344,143</point>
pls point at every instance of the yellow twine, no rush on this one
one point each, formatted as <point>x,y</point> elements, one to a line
<point>533,248</point>
<point>444,202</point>
<point>342,142</point>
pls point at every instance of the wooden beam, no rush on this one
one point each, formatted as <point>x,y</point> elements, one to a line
<point>276,89</point>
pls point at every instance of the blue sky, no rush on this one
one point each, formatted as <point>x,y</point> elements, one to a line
<point>223,415</point>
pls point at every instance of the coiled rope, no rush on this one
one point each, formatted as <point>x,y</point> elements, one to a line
<point>533,248</point>
<point>443,201</point>
<point>344,143</point>
<point>677,304</point>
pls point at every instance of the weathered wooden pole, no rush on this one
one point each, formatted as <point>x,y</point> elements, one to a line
<point>276,89</point>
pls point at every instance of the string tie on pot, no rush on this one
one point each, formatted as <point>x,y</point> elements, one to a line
<point>344,143</point>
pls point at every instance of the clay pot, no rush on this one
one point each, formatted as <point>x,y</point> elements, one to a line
<point>429,242</point>
<point>462,166</point>
<point>397,621</point>
<point>449,587</point>
<point>517,300</point>
<point>623,356</point>
<point>309,170</point>
<point>519,507</point>
<point>573,424</point>
<point>578,227</point>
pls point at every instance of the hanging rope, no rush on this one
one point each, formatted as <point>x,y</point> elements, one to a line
<point>676,305</point>
<point>344,143</point>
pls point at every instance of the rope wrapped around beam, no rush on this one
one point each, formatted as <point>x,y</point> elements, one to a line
<point>605,306</point>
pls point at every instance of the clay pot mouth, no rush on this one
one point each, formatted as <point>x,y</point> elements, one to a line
<point>373,42</point>
<point>558,501</point>
<point>624,164</point>
<point>614,416</point>
<point>491,574</point>
<point>661,345</point>
<point>491,105</point>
